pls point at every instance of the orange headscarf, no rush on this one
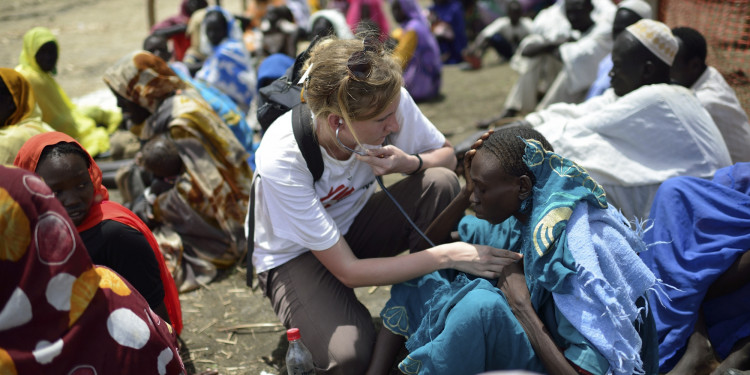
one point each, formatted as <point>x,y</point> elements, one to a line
<point>104,209</point>
<point>28,158</point>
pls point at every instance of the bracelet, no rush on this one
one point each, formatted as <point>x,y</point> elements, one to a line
<point>420,164</point>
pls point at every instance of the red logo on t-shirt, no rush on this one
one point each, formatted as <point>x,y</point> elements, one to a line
<point>335,195</point>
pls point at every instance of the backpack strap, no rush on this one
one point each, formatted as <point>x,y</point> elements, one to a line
<point>303,133</point>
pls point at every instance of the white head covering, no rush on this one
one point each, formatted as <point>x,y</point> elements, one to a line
<point>336,18</point>
<point>657,37</point>
<point>640,7</point>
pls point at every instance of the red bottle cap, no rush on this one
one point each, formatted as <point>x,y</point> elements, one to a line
<point>293,334</point>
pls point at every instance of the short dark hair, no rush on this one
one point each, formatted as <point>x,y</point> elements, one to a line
<point>693,42</point>
<point>508,146</point>
<point>215,15</point>
<point>161,154</point>
<point>64,148</point>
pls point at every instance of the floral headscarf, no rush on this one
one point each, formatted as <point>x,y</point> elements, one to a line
<point>143,78</point>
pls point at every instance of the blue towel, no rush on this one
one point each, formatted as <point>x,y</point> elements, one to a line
<point>609,280</point>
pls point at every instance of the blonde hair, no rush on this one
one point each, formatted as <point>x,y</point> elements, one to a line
<point>330,89</point>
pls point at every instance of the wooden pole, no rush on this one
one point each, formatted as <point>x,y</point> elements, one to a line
<point>150,13</point>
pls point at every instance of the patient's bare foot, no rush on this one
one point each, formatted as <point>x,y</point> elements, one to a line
<point>737,361</point>
<point>699,358</point>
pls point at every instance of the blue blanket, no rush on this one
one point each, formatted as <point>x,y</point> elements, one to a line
<point>700,227</point>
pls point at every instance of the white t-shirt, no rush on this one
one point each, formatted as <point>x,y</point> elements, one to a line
<point>292,215</point>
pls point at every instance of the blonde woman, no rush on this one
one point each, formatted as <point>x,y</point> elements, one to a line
<point>316,240</point>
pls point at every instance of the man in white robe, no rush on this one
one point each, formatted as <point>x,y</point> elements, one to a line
<point>628,13</point>
<point>714,93</point>
<point>503,34</point>
<point>569,40</point>
<point>641,131</point>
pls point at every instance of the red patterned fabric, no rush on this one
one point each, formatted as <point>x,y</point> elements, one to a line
<point>104,209</point>
<point>58,312</point>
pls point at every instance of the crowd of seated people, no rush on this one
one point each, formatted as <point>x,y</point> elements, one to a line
<point>608,226</point>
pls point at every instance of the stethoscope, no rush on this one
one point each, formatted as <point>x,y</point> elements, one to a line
<point>382,187</point>
<point>347,148</point>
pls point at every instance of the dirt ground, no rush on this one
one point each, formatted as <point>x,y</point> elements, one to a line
<point>228,326</point>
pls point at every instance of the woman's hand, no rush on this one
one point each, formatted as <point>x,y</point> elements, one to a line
<point>389,159</point>
<point>512,283</point>
<point>480,260</point>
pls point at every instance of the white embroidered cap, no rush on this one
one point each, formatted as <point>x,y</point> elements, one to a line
<point>657,37</point>
<point>640,7</point>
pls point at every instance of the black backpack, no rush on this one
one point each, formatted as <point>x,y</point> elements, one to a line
<point>283,93</point>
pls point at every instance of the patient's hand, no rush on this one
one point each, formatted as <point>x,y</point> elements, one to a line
<point>512,283</point>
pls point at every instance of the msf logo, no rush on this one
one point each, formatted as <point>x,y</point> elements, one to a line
<point>335,195</point>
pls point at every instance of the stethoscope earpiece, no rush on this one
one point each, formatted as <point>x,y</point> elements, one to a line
<point>347,148</point>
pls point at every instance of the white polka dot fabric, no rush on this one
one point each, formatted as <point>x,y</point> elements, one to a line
<point>58,312</point>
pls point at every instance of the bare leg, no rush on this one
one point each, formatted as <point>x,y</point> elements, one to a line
<point>735,277</point>
<point>699,358</point>
<point>387,347</point>
<point>738,359</point>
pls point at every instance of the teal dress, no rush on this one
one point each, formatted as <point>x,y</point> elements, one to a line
<point>456,324</point>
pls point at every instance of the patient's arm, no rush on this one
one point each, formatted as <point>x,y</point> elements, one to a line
<point>512,283</point>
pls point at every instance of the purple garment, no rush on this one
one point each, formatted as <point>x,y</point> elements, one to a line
<point>452,12</point>
<point>422,75</point>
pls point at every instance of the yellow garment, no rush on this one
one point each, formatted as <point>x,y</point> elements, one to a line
<point>57,109</point>
<point>314,5</point>
<point>22,124</point>
<point>407,44</point>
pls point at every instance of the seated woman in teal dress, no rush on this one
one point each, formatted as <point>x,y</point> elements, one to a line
<point>575,302</point>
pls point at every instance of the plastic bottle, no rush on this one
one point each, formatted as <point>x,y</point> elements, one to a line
<point>298,359</point>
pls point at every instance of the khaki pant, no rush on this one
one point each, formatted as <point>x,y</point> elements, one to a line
<point>335,326</point>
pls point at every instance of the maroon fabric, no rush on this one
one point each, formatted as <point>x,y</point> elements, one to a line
<point>180,41</point>
<point>58,312</point>
<point>104,209</point>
